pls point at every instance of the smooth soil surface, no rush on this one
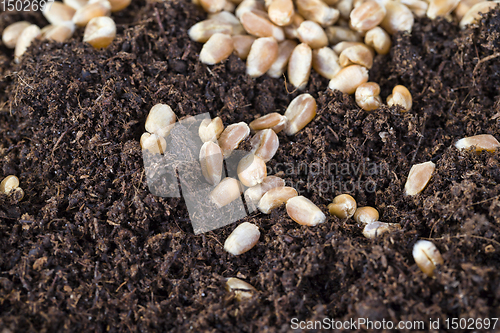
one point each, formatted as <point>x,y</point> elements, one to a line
<point>89,248</point>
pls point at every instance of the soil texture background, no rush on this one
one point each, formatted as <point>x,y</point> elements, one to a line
<point>89,248</point>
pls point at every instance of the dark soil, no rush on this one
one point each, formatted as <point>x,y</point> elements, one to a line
<point>90,249</point>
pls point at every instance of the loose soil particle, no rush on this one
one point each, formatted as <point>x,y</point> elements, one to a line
<point>89,248</point>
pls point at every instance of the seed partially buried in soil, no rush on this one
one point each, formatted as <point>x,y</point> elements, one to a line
<point>367,96</point>
<point>479,142</point>
<point>241,289</point>
<point>375,229</point>
<point>427,256</point>
<point>400,96</point>
<point>8,184</point>
<point>473,15</point>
